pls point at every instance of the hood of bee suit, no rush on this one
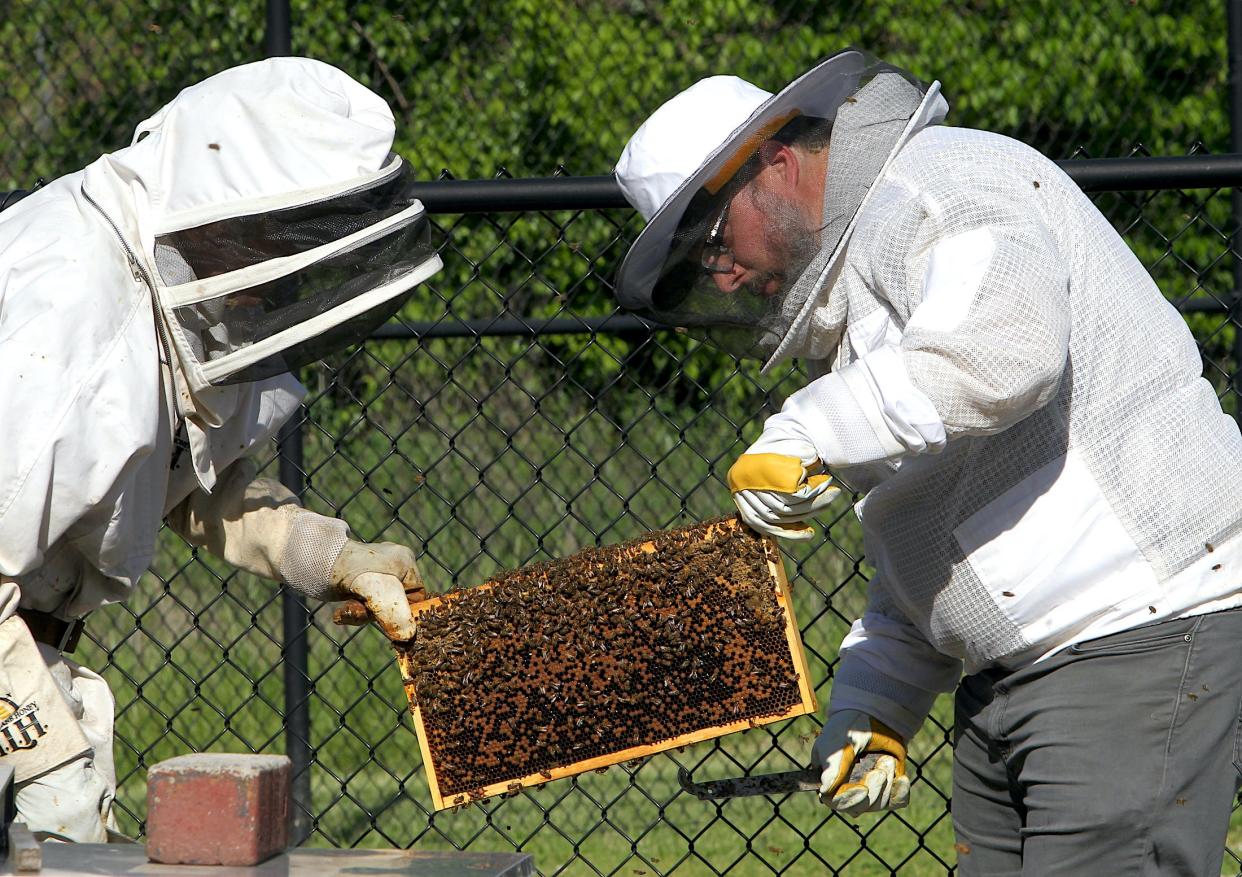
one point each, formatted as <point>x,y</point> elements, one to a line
<point>268,212</point>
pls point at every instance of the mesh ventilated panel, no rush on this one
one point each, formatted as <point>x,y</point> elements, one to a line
<point>225,325</point>
<point>242,241</point>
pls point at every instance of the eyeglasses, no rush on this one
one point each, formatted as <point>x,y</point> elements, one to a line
<point>716,257</point>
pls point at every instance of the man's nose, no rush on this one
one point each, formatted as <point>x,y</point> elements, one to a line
<point>730,281</point>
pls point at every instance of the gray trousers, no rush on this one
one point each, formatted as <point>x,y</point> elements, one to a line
<point>1118,755</point>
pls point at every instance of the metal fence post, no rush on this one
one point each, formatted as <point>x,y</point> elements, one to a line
<point>295,652</point>
<point>278,39</point>
<point>1235,144</point>
<point>278,42</point>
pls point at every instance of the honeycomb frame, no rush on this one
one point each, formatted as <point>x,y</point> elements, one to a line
<point>771,603</point>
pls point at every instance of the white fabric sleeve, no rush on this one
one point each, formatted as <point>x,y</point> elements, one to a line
<point>10,596</point>
<point>987,338</point>
<point>257,525</point>
<point>985,344</point>
<point>890,671</point>
<point>861,413</point>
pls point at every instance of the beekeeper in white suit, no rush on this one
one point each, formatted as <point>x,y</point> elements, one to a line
<point>151,308</point>
<point>1053,496</point>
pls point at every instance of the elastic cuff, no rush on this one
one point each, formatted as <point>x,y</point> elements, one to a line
<point>832,416</point>
<point>315,541</point>
<point>898,705</point>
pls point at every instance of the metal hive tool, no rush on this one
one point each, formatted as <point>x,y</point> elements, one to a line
<point>606,656</point>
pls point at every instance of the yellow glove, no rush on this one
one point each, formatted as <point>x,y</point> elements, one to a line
<point>849,736</point>
<point>775,493</point>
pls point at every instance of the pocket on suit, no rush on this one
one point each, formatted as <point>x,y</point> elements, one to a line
<point>1051,552</point>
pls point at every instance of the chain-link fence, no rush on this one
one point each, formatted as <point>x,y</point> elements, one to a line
<point>553,424</point>
<point>512,415</point>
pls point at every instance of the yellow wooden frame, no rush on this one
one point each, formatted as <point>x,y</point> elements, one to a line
<point>807,704</point>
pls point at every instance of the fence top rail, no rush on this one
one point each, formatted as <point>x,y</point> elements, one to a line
<point>602,191</point>
<point>1155,173</point>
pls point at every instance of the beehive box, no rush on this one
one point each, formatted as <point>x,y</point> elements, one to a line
<point>606,656</point>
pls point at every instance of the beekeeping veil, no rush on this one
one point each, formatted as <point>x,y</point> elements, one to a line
<point>274,222</point>
<point>685,164</point>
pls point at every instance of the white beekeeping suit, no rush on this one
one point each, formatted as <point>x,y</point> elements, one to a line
<point>152,306</point>
<point>1029,487</point>
<point>1042,460</point>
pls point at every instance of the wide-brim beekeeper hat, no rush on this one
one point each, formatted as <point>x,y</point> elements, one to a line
<point>696,150</point>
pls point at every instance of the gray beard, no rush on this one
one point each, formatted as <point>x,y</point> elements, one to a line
<point>787,234</point>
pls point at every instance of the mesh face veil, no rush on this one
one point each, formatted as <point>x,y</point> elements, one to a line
<point>704,287</point>
<point>260,293</point>
<point>691,169</point>
<point>275,221</point>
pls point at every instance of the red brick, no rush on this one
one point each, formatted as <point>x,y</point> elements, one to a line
<point>217,809</point>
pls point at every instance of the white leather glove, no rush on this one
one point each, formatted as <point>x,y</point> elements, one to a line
<point>258,525</point>
<point>775,486</point>
<point>384,579</point>
<point>848,737</point>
